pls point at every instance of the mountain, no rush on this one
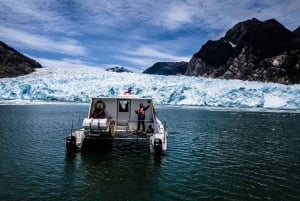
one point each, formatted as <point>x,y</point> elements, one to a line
<point>251,50</point>
<point>13,63</point>
<point>297,31</point>
<point>167,68</point>
<point>118,70</point>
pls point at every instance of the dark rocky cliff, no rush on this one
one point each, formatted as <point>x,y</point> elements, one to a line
<point>167,68</point>
<point>297,31</point>
<point>251,50</point>
<point>13,63</point>
<point>118,70</point>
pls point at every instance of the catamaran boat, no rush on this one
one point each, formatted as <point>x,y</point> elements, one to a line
<point>120,118</point>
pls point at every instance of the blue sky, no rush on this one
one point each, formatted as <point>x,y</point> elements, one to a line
<point>132,34</point>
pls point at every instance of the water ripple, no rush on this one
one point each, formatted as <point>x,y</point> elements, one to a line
<point>211,155</point>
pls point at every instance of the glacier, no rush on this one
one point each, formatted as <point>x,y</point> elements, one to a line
<point>80,84</point>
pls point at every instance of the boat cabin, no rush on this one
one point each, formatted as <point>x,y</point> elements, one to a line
<point>121,112</point>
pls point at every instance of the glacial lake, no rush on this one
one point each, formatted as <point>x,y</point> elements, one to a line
<point>212,154</point>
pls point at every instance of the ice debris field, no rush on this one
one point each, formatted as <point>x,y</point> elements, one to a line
<point>80,84</point>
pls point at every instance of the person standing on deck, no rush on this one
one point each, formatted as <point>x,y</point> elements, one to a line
<point>141,115</point>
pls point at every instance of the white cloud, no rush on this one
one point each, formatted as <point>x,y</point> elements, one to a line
<point>146,56</point>
<point>64,46</point>
<point>139,32</point>
<point>101,16</point>
<point>139,61</point>
<point>146,51</point>
<point>225,14</point>
<point>222,15</point>
<point>35,16</point>
<point>28,9</point>
<point>178,14</point>
<point>75,63</point>
<point>65,63</point>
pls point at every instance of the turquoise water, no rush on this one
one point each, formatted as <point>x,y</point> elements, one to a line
<point>212,154</point>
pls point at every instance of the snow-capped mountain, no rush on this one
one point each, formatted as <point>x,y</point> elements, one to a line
<point>79,84</point>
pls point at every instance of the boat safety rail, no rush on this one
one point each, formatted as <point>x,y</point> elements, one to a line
<point>76,126</point>
<point>127,125</point>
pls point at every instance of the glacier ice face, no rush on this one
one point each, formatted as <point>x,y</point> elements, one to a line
<point>79,84</point>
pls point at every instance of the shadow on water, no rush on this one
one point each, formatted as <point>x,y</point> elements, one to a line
<point>119,170</point>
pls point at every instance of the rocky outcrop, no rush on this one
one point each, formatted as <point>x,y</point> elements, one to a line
<point>13,63</point>
<point>297,31</point>
<point>118,70</point>
<point>251,50</point>
<point>167,68</point>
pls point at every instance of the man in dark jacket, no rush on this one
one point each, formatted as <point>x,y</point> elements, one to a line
<point>141,115</point>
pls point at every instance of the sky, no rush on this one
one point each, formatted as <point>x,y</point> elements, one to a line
<point>127,33</point>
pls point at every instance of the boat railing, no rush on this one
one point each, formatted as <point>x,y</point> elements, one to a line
<point>75,126</point>
<point>128,125</point>
<point>112,126</point>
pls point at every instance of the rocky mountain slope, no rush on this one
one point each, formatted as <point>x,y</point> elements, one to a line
<point>118,70</point>
<point>251,50</point>
<point>167,68</point>
<point>13,63</point>
<point>297,31</point>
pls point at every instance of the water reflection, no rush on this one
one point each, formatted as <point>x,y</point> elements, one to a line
<point>125,171</point>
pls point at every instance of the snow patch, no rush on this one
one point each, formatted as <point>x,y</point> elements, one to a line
<point>273,101</point>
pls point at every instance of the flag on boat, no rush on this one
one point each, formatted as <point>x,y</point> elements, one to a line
<point>128,92</point>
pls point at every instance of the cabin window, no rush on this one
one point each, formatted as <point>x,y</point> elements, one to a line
<point>123,106</point>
